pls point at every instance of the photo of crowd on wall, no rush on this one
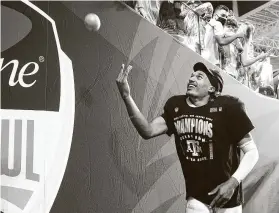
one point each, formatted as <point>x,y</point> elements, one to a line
<point>217,35</point>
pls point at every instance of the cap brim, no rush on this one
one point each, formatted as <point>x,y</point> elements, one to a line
<point>201,67</point>
<point>214,79</point>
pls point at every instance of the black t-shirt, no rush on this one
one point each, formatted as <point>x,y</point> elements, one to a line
<point>206,140</point>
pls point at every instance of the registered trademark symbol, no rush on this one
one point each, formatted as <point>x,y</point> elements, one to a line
<point>41,58</point>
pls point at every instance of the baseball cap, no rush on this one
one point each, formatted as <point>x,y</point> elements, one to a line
<point>213,75</point>
<point>267,90</point>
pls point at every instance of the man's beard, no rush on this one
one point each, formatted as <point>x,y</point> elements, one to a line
<point>189,94</point>
<point>179,14</point>
<point>222,21</point>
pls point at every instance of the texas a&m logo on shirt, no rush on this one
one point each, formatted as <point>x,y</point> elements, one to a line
<point>195,137</point>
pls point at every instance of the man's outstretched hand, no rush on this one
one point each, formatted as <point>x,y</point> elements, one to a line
<point>122,82</point>
<point>223,193</point>
<point>263,56</point>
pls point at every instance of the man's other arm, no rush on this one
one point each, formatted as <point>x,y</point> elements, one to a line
<point>224,191</point>
<point>220,36</point>
<point>146,129</point>
<point>249,159</point>
<point>246,61</point>
<point>227,40</point>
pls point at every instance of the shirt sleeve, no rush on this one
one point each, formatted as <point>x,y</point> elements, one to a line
<point>167,117</point>
<point>218,29</point>
<point>239,124</point>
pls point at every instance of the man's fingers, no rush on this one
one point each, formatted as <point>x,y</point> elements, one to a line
<point>214,201</point>
<point>120,75</point>
<point>127,71</point>
<point>222,202</point>
<point>214,191</point>
<point>122,67</point>
<point>269,52</point>
<point>121,70</point>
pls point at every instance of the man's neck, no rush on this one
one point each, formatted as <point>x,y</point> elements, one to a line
<point>196,101</point>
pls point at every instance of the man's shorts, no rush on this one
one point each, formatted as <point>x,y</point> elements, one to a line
<point>195,206</point>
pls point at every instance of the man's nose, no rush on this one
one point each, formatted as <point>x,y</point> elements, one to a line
<point>192,79</point>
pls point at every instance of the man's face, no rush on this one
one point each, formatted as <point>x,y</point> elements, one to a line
<point>179,9</point>
<point>230,28</point>
<point>199,85</point>
<point>221,16</point>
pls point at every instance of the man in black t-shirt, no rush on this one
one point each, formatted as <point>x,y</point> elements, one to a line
<point>210,130</point>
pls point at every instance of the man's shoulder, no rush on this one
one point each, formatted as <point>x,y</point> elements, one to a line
<point>228,100</point>
<point>174,100</point>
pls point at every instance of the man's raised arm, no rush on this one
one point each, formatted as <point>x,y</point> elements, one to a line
<point>246,61</point>
<point>223,38</point>
<point>229,39</point>
<point>146,129</point>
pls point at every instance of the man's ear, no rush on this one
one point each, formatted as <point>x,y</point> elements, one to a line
<point>211,89</point>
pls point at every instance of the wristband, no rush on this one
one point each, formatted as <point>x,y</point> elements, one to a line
<point>237,178</point>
